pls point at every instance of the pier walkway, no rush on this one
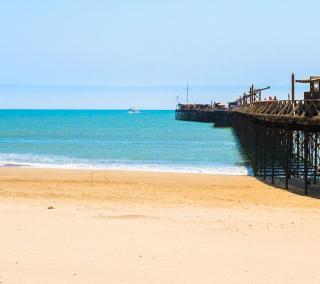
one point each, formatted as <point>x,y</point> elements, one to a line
<point>216,113</point>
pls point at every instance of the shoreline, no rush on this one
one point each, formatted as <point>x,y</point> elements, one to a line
<point>223,170</point>
<point>139,187</point>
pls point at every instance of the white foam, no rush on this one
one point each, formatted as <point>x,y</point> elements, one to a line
<point>60,162</point>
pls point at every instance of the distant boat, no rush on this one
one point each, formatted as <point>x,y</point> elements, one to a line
<point>133,110</point>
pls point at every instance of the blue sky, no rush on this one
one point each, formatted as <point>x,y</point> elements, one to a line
<point>112,43</point>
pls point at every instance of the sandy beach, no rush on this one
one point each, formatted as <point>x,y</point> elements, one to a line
<point>140,227</point>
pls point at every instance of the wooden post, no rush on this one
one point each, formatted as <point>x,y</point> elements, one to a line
<point>306,156</point>
<point>255,151</point>
<point>292,87</point>
<point>252,88</point>
<point>315,158</point>
<point>287,157</point>
<point>298,153</point>
<point>265,143</point>
<point>273,156</point>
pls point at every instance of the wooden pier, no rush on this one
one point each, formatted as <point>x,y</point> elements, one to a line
<point>220,116</point>
<point>281,138</point>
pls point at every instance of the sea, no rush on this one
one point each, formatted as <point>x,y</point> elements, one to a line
<point>151,140</point>
<point>35,131</point>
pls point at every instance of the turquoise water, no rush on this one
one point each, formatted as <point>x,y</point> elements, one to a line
<point>114,139</point>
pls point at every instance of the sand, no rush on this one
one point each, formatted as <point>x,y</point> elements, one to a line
<point>138,227</point>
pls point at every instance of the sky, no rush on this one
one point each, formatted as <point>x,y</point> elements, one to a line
<point>152,43</point>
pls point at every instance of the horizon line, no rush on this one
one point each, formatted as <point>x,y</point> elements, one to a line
<point>89,109</point>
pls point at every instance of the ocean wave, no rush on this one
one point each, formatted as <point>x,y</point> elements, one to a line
<point>62,162</point>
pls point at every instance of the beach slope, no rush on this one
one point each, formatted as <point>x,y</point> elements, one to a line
<point>80,226</point>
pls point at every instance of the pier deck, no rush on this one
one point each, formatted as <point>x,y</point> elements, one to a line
<point>205,113</point>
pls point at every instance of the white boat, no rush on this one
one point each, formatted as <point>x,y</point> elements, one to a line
<point>133,110</point>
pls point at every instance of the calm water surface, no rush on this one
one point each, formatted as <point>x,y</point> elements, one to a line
<point>114,139</point>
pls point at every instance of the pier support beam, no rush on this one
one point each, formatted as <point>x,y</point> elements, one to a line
<point>306,156</point>
<point>265,153</point>
<point>315,158</point>
<point>287,157</point>
<point>273,157</point>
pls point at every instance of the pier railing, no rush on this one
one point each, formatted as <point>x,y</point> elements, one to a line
<point>200,107</point>
<point>284,109</point>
